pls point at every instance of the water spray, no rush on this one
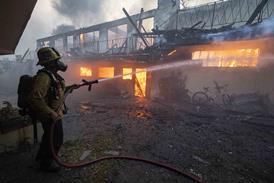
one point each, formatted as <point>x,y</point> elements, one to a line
<point>158,68</point>
<point>131,158</point>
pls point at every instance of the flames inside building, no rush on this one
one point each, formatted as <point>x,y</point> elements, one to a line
<point>228,58</point>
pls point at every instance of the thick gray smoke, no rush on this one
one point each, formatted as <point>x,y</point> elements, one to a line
<point>90,12</point>
<point>260,30</point>
<point>81,11</point>
<point>62,29</point>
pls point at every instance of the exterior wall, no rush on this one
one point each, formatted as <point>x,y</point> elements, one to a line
<point>103,37</point>
<point>131,44</point>
<point>238,81</point>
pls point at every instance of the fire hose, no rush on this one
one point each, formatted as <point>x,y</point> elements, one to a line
<point>96,161</point>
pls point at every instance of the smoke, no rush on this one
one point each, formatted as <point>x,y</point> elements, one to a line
<point>190,3</point>
<point>81,11</point>
<point>260,30</point>
<point>43,20</point>
<point>90,12</point>
<point>62,29</point>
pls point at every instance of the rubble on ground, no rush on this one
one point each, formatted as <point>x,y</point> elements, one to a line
<point>159,130</point>
<point>10,118</point>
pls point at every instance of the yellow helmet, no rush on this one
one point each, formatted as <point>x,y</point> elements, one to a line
<point>46,55</point>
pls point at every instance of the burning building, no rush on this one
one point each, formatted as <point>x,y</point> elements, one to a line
<point>230,34</point>
<point>175,56</point>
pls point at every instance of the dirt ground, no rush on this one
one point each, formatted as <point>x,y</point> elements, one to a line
<point>218,146</point>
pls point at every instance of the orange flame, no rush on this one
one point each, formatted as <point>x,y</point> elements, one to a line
<point>85,72</point>
<point>106,72</point>
<point>140,83</point>
<point>82,38</point>
<point>228,58</point>
<point>127,73</point>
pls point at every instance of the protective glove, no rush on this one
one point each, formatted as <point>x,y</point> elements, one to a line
<point>72,87</point>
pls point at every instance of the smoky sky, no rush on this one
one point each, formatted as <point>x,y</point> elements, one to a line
<point>264,29</point>
<point>81,10</point>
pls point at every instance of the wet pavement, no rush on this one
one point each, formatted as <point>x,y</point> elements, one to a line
<point>216,145</point>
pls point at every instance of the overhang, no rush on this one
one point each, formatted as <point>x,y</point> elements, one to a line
<point>14,16</point>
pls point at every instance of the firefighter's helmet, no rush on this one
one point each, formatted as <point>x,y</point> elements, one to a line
<point>47,55</point>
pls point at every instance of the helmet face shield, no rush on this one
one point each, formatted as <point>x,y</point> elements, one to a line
<point>50,57</point>
<point>61,66</point>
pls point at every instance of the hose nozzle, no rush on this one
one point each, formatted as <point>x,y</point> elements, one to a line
<point>89,83</point>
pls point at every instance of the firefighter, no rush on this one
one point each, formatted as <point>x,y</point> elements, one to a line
<point>44,100</point>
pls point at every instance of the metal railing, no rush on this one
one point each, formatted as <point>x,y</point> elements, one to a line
<point>223,13</point>
<point>114,46</point>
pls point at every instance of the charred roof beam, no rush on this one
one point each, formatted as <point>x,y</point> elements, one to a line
<point>135,27</point>
<point>256,12</point>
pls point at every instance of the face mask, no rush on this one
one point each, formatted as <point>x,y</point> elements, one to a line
<point>60,66</point>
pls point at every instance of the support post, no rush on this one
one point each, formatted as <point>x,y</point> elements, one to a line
<point>136,28</point>
<point>103,40</point>
<point>65,44</point>
<point>213,16</point>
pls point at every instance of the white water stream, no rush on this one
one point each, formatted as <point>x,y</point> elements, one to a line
<point>158,68</point>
